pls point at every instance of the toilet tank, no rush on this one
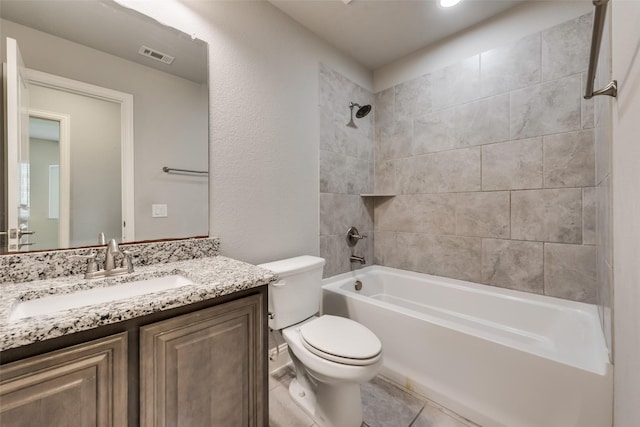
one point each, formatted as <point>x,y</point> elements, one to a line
<point>296,296</point>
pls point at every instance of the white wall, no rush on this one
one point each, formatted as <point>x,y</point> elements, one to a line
<point>528,18</point>
<point>264,129</point>
<point>626,211</point>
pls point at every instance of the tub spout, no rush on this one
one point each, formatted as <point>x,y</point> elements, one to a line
<point>360,259</point>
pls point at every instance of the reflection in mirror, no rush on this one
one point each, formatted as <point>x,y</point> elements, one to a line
<point>95,45</point>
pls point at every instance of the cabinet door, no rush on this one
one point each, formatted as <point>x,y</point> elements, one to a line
<point>204,368</point>
<point>83,385</point>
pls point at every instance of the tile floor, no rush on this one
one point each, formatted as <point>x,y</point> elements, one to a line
<point>384,405</point>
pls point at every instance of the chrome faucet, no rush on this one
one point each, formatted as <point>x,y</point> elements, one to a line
<point>109,261</point>
<point>360,259</point>
<point>110,268</point>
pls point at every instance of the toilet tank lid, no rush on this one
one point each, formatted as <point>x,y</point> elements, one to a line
<point>295,265</point>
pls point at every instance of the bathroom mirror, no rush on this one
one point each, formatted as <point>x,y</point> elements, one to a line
<point>117,63</point>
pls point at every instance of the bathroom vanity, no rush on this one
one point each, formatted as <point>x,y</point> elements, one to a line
<point>194,354</point>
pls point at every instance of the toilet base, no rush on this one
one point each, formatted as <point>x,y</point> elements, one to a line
<point>330,405</point>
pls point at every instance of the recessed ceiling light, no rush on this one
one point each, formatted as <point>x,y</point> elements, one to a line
<point>449,3</point>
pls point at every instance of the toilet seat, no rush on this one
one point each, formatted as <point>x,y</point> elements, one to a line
<point>341,340</point>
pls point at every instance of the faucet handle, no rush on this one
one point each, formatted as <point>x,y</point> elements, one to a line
<point>354,236</point>
<point>92,267</point>
<point>128,260</point>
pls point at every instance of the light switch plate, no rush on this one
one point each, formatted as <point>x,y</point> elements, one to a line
<point>159,211</point>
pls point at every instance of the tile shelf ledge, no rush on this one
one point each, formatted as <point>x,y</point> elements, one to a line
<point>377,195</point>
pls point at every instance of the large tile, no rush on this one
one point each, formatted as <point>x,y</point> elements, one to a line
<point>328,140</point>
<point>547,108</point>
<point>512,165</point>
<point>483,214</point>
<point>570,272</point>
<point>603,136</point>
<point>336,253</point>
<point>510,67</point>
<point>330,85</point>
<point>434,132</point>
<point>569,160</point>
<point>447,171</point>
<point>457,257</point>
<point>385,177</point>
<point>333,212</point>
<point>434,415</point>
<point>333,170</point>
<point>358,176</point>
<point>588,108</point>
<point>547,215</point>
<point>410,252</point>
<point>283,412</point>
<point>336,92</point>
<point>352,142</point>
<point>385,249</point>
<point>604,225</point>
<point>394,140</point>
<point>589,216</point>
<point>413,98</point>
<point>482,122</point>
<point>385,405</point>
<point>456,83</point>
<point>338,212</point>
<point>565,48</point>
<point>384,111</point>
<point>419,213</point>
<point>513,264</point>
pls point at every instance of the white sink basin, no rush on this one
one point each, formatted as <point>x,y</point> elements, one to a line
<point>54,303</point>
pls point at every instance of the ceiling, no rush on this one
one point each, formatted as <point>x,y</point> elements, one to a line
<point>378,32</point>
<point>111,28</point>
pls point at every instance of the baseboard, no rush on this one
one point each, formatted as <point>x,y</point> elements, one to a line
<point>278,357</point>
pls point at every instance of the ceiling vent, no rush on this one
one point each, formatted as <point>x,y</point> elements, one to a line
<point>155,54</point>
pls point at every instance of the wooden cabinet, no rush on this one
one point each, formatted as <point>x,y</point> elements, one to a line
<point>83,385</point>
<point>201,365</point>
<point>205,368</point>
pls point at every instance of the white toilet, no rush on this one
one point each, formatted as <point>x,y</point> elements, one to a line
<point>332,355</point>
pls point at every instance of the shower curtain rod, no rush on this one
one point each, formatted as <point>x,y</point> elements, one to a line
<point>174,170</point>
<point>598,26</point>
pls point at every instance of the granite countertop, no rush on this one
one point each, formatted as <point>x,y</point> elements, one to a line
<point>213,277</point>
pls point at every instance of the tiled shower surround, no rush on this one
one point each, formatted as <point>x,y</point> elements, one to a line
<point>346,171</point>
<point>493,163</point>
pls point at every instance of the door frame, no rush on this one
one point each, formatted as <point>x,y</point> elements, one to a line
<point>64,144</point>
<point>125,100</point>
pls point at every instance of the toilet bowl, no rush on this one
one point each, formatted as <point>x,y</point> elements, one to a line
<point>327,383</point>
<point>332,355</point>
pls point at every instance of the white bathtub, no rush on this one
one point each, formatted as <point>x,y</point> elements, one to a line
<point>496,356</point>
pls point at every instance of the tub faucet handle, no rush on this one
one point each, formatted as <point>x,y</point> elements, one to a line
<point>354,236</point>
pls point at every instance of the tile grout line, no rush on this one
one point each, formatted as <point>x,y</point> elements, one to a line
<point>417,415</point>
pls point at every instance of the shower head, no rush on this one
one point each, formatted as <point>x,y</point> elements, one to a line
<point>362,111</point>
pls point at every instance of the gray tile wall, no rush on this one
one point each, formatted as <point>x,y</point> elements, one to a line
<point>494,163</point>
<point>600,198</point>
<point>346,171</point>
